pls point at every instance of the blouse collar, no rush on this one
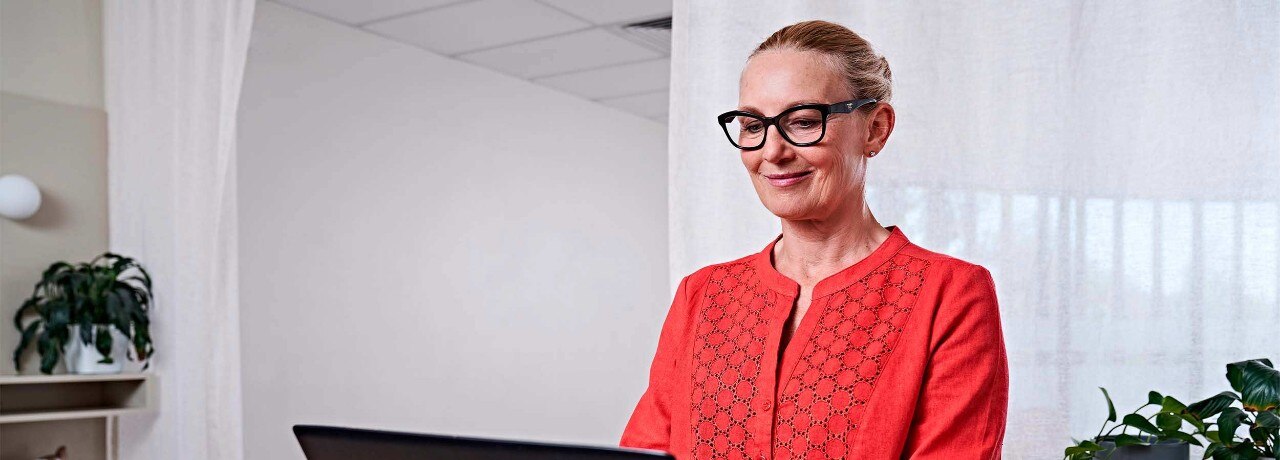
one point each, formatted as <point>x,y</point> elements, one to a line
<point>888,248</point>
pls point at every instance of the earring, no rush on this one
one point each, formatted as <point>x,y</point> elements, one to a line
<point>873,153</point>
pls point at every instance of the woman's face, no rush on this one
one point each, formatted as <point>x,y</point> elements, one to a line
<point>834,169</point>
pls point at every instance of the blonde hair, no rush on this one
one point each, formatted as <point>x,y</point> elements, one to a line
<point>866,73</point>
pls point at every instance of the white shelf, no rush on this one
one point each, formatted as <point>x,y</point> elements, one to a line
<point>67,378</point>
<point>40,398</point>
<point>70,414</point>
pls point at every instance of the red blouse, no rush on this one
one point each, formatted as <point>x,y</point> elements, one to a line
<point>900,355</point>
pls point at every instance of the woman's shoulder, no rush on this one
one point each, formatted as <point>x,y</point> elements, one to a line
<point>946,266</point>
<point>962,291</point>
<point>696,280</point>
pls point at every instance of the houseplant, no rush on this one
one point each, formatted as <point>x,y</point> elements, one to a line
<point>1156,436</point>
<point>1256,385</point>
<point>1257,390</point>
<point>87,311</point>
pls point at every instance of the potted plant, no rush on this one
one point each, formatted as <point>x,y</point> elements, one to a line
<point>1158,436</point>
<point>88,313</point>
<point>1257,390</point>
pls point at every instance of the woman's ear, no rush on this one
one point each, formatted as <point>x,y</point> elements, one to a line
<point>880,126</point>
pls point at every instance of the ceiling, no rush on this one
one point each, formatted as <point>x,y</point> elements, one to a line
<point>574,46</point>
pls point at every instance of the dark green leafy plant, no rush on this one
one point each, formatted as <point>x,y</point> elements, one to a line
<point>1163,424</point>
<point>1257,388</point>
<point>108,291</point>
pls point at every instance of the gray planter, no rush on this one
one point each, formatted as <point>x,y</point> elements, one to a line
<point>1170,449</point>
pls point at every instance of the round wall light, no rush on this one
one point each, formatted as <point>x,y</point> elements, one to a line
<point>19,197</point>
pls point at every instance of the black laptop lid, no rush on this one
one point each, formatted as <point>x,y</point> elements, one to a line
<point>335,443</point>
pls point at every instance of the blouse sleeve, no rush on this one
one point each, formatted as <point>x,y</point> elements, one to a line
<point>963,404</point>
<point>650,423</point>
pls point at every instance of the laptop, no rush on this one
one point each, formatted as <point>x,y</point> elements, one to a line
<point>336,443</point>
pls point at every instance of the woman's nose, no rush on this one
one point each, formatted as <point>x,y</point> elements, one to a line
<point>775,149</point>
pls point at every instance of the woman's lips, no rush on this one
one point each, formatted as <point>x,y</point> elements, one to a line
<point>783,180</point>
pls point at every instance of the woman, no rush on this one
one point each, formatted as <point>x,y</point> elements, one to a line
<point>841,338</point>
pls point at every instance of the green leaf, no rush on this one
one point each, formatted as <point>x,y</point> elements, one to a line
<point>1126,439</point>
<point>1259,433</point>
<point>1141,423</point>
<point>1184,437</point>
<point>1242,451</point>
<point>1267,420</point>
<point>49,352</point>
<point>118,310</point>
<point>1168,422</point>
<point>1154,398</point>
<point>142,341</point>
<point>1212,449</point>
<point>86,330</point>
<point>1084,447</point>
<point>1235,376</point>
<point>28,307</point>
<point>1228,421</point>
<point>1171,405</point>
<point>1213,405</point>
<point>27,335</point>
<point>1193,420</point>
<point>1258,383</point>
<point>58,315</point>
<point>1111,407</point>
<point>104,339</point>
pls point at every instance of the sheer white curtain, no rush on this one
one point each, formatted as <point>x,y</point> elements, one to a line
<point>173,75</point>
<point>1114,164</point>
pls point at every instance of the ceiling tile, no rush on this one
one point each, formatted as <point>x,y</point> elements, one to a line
<point>352,12</point>
<point>614,81</point>
<point>561,54</point>
<point>477,25</point>
<point>613,11</point>
<point>645,105</point>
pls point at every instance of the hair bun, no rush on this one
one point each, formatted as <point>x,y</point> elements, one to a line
<point>866,72</point>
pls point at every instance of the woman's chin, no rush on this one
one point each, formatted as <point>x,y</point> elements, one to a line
<point>788,209</point>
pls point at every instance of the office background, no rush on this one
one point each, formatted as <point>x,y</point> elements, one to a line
<point>388,217</point>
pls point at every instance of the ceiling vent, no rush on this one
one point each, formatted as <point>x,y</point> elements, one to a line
<point>654,34</point>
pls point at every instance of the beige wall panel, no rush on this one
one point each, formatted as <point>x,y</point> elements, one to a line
<point>52,49</point>
<point>63,148</point>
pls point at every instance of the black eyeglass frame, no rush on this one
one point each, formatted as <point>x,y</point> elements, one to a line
<point>826,110</point>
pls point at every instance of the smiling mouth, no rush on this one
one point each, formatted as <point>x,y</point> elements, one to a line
<point>788,175</point>
<point>787,179</point>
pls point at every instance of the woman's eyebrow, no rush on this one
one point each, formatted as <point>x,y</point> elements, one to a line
<point>747,108</point>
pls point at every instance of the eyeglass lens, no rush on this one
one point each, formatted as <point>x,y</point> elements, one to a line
<point>799,126</point>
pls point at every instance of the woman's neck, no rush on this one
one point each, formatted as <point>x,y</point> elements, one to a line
<point>811,250</point>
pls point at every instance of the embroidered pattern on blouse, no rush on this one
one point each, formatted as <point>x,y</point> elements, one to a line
<point>727,352</point>
<point>823,402</point>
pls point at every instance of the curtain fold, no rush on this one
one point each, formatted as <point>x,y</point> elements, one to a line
<point>1113,164</point>
<point>173,77</point>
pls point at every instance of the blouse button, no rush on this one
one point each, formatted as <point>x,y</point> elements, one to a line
<point>765,404</point>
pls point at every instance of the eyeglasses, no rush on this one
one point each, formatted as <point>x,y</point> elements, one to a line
<point>802,125</point>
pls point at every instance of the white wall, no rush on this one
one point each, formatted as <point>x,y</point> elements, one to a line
<point>431,246</point>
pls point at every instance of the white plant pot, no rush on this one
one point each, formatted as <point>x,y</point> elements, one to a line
<point>83,358</point>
